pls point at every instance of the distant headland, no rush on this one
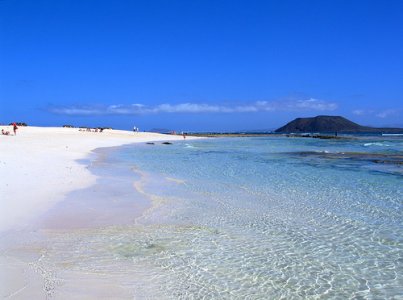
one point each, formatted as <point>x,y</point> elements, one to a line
<point>331,124</point>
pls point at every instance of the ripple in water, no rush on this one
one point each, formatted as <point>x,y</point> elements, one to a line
<point>240,219</point>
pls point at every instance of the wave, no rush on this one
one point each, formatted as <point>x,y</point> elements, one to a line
<point>376,144</point>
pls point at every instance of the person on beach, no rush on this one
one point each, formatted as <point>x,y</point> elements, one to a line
<point>15,128</point>
<point>5,132</point>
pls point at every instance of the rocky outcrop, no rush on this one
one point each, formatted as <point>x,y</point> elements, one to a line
<point>330,124</point>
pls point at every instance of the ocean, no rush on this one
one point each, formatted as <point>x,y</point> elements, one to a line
<point>268,217</point>
<point>246,218</point>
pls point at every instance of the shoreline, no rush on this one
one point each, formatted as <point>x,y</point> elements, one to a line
<point>112,200</point>
<point>214,202</point>
<point>47,186</point>
<point>39,167</point>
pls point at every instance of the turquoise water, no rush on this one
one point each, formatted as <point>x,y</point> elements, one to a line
<point>233,218</point>
<point>264,218</point>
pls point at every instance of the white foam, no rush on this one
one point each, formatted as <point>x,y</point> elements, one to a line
<point>376,144</point>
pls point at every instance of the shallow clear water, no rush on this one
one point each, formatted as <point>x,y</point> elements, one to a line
<point>265,218</point>
<point>251,218</point>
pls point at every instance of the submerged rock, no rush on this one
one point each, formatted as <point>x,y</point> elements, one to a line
<point>379,158</point>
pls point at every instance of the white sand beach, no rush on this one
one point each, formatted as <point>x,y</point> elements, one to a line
<point>38,167</point>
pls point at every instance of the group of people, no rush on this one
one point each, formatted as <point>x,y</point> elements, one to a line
<point>15,127</point>
<point>91,130</point>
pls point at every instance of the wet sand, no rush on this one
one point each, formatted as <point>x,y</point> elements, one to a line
<point>41,168</point>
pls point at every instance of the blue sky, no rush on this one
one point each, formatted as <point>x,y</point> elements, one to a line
<point>200,65</point>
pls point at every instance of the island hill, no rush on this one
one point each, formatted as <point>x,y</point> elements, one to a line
<point>331,124</point>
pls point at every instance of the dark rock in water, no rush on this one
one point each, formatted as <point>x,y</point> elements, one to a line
<point>331,124</point>
<point>378,158</point>
<point>150,143</point>
<point>317,136</point>
<point>166,143</point>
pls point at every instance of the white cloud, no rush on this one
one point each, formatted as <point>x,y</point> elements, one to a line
<point>359,112</point>
<point>312,104</point>
<point>75,110</point>
<point>136,109</point>
<point>387,113</point>
<point>377,113</point>
<point>187,108</point>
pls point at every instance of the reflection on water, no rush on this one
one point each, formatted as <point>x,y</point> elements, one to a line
<point>250,218</point>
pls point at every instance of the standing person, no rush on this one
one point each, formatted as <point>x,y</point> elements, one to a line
<point>15,128</point>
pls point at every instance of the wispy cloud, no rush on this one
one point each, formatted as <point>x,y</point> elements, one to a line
<point>388,113</point>
<point>359,112</point>
<point>378,113</point>
<point>137,109</point>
